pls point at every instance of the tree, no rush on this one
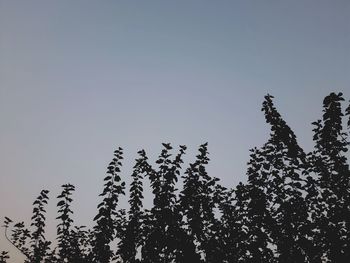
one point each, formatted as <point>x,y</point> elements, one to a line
<point>258,220</point>
<point>132,235</point>
<point>107,219</point>
<point>294,206</point>
<point>69,239</point>
<point>287,162</point>
<point>163,231</point>
<point>330,165</point>
<point>39,244</point>
<point>197,201</point>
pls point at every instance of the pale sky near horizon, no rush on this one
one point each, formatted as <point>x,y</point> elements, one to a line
<point>80,78</point>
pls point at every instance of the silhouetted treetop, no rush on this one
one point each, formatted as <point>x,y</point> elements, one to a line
<point>294,206</point>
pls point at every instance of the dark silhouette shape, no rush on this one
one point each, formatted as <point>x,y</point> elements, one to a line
<point>4,256</point>
<point>108,219</point>
<point>132,237</point>
<point>294,206</point>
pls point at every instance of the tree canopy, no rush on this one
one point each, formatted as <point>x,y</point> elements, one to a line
<point>293,207</point>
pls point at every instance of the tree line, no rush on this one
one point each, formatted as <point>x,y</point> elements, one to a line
<point>294,206</point>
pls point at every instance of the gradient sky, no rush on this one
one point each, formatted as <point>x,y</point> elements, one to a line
<point>79,78</point>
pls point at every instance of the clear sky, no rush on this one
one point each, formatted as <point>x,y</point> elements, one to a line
<point>79,78</point>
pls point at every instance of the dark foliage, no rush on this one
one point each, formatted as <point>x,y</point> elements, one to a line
<point>4,256</point>
<point>109,219</point>
<point>294,206</point>
<point>132,237</point>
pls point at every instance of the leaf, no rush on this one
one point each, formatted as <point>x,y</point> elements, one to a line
<point>60,203</point>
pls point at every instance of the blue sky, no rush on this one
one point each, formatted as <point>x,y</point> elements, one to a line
<point>79,78</point>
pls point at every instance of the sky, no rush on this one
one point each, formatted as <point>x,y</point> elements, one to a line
<point>80,78</point>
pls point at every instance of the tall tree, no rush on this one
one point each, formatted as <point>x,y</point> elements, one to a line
<point>331,166</point>
<point>107,217</point>
<point>198,203</point>
<point>39,244</point>
<point>258,219</point>
<point>68,246</point>
<point>132,236</point>
<point>233,224</point>
<point>164,239</point>
<point>287,162</point>
<point>294,207</point>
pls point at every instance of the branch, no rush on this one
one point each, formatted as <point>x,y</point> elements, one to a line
<point>9,240</point>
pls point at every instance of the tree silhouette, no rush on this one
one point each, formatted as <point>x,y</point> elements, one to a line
<point>163,230</point>
<point>39,244</point>
<point>108,216</point>
<point>69,238</point>
<point>334,179</point>
<point>293,207</point>
<point>255,202</point>
<point>198,203</point>
<point>287,162</point>
<point>132,235</point>
<point>63,228</point>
